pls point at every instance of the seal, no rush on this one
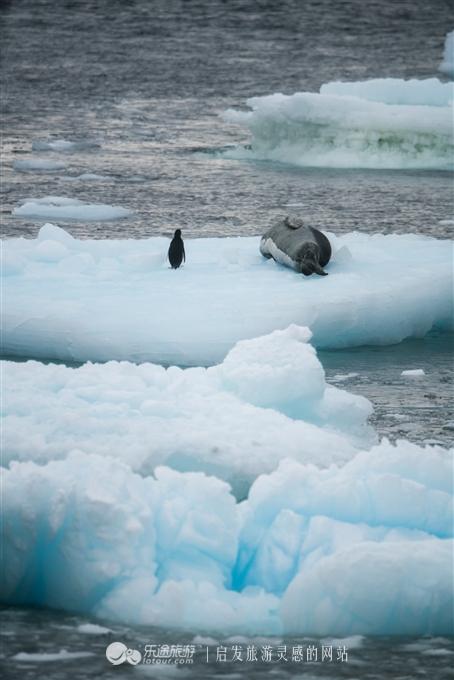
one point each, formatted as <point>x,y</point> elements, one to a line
<point>293,244</point>
<point>176,252</point>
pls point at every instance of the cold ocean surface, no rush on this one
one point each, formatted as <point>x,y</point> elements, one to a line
<point>123,105</point>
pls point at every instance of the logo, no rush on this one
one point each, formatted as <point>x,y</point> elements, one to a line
<point>118,653</point>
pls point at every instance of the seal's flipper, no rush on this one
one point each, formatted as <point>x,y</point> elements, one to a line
<point>309,267</point>
<point>318,270</point>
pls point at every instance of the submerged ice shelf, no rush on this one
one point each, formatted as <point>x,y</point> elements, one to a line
<point>99,300</point>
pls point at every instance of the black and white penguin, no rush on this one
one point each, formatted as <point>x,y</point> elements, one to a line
<point>176,250</point>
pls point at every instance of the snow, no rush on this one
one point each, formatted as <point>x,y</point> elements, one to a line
<point>413,373</point>
<point>38,165</point>
<point>79,300</point>
<point>382,123</point>
<point>447,65</point>
<point>62,208</point>
<point>362,547</point>
<point>272,388</point>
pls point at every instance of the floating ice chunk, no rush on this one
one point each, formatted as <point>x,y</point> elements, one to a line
<point>413,373</point>
<point>447,65</point>
<point>65,145</point>
<point>38,165</point>
<point>386,123</point>
<point>390,288</point>
<point>341,377</point>
<point>93,629</point>
<point>62,208</point>
<point>62,655</point>
<point>146,415</point>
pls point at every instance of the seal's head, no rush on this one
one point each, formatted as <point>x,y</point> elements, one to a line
<point>293,222</point>
<point>308,260</point>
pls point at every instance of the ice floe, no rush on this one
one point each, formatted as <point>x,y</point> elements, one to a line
<point>39,165</point>
<point>233,420</point>
<point>382,123</point>
<point>413,373</point>
<point>63,208</point>
<point>363,547</point>
<point>79,300</point>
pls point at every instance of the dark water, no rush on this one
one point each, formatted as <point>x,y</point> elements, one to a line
<point>418,409</point>
<point>368,658</point>
<point>147,80</point>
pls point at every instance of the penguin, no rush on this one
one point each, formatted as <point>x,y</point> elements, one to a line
<point>176,250</point>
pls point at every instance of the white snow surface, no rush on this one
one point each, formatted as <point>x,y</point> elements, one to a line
<point>81,300</point>
<point>63,208</point>
<point>233,420</point>
<point>381,123</point>
<point>363,547</point>
<point>447,65</point>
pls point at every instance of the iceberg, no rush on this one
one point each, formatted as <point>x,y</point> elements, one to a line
<point>363,547</point>
<point>381,123</point>
<point>233,420</point>
<point>62,208</point>
<point>81,300</point>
